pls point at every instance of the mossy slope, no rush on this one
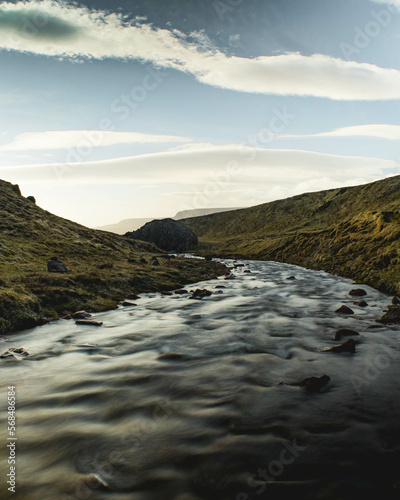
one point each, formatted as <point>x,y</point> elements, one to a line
<point>353,232</point>
<point>29,236</point>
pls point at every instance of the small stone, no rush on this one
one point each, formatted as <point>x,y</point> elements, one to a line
<point>396,301</point>
<point>359,292</point>
<point>32,199</point>
<point>247,271</point>
<point>344,310</point>
<point>143,261</point>
<point>220,286</point>
<point>88,322</point>
<point>230,277</point>
<point>181,292</point>
<point>81,315</point>
<point>165,292</point>
<point>8,355</point>
<point>155,262</point>
<point>361,303</point>
<point>345,333</point>
<point>348,346</point>
<point>291,278</point>
<point>133,296</point>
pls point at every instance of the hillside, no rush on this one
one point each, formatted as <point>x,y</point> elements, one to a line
<point>353,232</point>
<point>127,225</point>
<point>30,236</point>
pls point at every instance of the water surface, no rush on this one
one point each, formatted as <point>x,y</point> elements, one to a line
<point>101,416</point>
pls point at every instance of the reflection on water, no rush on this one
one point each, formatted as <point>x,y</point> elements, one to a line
<point>101,415</point>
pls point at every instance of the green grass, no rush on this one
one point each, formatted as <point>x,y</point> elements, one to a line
<point>353,232</point>
<point>29,236</point>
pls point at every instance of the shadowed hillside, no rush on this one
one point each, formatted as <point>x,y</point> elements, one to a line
<point>103,267</point>
<point>350,231</point>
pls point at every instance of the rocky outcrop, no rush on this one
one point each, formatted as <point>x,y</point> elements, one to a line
<point>167,234</point>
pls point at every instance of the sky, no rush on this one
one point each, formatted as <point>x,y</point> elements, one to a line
<point>143,108</point>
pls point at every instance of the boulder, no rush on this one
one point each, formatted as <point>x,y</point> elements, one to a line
<point>361,303</point>
<point>344,310</point>
<point>167,234</point>
<point>31,199</point>
<point>391,316</point>
<point>54,265</point>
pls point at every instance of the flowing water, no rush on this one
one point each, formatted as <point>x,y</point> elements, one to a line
<point>100,415</point>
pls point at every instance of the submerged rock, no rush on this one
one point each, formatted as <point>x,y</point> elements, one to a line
<point>345,333</point>
<point>314,384</point>
<point>88,322</point>
<point>361,303</point>
<point>54,265</point>
<point>200,294</point>
<point>344,310</point>
<point>348,346</point>
<point>358,292</point>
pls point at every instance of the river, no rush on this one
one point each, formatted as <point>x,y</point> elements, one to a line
<point>109,413</point>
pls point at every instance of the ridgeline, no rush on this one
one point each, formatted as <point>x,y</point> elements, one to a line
<point>103,268</point>
<point>353,232</point>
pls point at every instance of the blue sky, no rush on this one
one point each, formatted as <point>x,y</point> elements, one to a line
<point>144,108</point>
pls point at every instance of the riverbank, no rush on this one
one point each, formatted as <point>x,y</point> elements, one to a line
<point>352,232</point>
<point>102,268</point>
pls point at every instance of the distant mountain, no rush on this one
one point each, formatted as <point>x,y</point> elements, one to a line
<point>352,231</point>
<point>103,267</point>
<point>128,225</point>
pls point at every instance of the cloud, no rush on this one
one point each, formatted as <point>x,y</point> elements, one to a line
<point>244,166</point>
<point>70,139</point>
<point>379,131</point>
<point>57,29</point>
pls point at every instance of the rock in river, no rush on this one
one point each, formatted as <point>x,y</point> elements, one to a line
<point>344,310</point>
<point>358,292</point>
<point>345,333</point>
<point>348,346</point>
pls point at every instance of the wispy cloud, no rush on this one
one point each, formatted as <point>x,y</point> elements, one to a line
<point>68,139</point>
<point>378,131</point>
<point>253,167</point>
<point>56,29</point>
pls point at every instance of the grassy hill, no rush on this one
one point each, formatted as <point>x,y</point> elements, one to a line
<point>353,232</point>
<point>29,236</point>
